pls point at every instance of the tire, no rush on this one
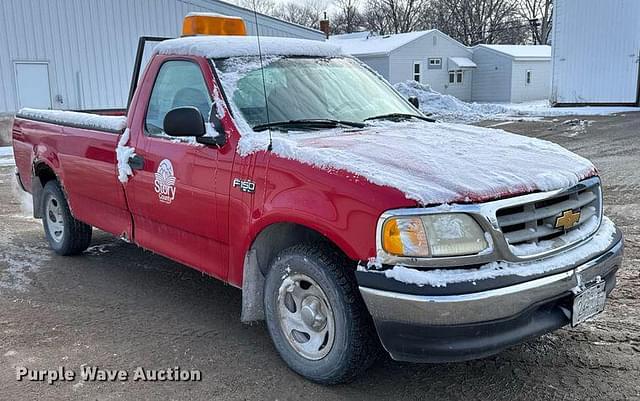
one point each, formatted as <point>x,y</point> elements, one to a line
<point>347,338</point>
<point>66,235</point>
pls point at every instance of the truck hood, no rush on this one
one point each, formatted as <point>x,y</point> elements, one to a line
<point>435,163</point>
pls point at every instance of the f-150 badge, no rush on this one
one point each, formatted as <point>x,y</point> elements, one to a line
<point>244,185</point>
<point>165,182</point>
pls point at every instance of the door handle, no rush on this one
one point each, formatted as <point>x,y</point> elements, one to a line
<point>136,162</point>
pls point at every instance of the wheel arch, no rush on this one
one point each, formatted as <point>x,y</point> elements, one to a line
<point>266,245</point>
<point>42,173</point>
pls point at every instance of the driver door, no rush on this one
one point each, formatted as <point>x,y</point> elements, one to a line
<point>174,210</point>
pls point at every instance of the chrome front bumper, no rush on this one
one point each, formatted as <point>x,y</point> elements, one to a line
<point>445,327</point>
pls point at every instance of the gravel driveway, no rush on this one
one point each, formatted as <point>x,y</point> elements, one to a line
<point>121,307</point>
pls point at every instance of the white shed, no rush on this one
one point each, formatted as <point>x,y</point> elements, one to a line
<point>70,54</point>
<point>429,57</point>
<point>596,52</point>
<point>511,73</point>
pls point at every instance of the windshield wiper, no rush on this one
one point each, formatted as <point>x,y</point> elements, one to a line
<point>399,116</point>
<point>308,123</point>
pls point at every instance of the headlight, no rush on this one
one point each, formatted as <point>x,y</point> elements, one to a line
<point>453,234</point>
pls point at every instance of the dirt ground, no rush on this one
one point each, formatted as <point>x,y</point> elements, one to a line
<point>6,121</point>
<point>120,307</point>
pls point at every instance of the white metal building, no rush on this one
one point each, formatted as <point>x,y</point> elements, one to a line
<point>596,52</point>
<point>429,57</point>
<point>511,73</point>
<point>79,54</point>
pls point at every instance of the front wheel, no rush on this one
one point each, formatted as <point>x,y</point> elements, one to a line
<point>65,234</point>
<point>316,316</point>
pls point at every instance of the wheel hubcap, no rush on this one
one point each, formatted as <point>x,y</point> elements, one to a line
<point>55,224</point>
<point>305,315</point>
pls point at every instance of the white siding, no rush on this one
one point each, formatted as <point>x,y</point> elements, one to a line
<point>401,63</point>
<point>596,51</point>
<point>90,45</point>
<point>492,77</point>
<point>540,86</point>
<point>380,64</point>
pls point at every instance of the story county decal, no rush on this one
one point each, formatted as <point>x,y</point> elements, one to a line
<point>165,183</point>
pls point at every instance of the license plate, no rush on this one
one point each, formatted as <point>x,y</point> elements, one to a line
<point>589,303</point>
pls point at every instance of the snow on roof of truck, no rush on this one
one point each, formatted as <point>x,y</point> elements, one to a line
<point>238,46</point>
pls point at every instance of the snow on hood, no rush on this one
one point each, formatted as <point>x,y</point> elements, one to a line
<point>434,163</point>
<point>242,46</point>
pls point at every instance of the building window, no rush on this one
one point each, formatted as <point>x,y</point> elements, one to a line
<point>456,77</point>
<point>416,71</point>
<point>435,63</point>
<point>528,77</point>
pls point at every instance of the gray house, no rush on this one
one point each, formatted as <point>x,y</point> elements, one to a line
<point>429,57</point>
<point>511,73</point>
<point>70,54</point>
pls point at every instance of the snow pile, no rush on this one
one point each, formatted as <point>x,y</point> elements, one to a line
<point>6,156</point>
<point>433,163</point>
<point>123,154</point>
<point>441,278</point>
<point>84,120</point>
<point>449,108</point>
<point>239,46</point>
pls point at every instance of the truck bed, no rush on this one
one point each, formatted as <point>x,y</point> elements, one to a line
<point>80,149</point>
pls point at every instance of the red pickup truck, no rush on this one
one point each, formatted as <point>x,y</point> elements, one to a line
<point>348,219</point>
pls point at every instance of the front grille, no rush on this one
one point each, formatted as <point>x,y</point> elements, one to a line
<point>530,228</point>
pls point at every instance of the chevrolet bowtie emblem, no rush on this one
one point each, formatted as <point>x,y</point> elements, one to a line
<point>568,219</point>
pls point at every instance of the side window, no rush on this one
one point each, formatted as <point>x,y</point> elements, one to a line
<point>435,63</point>
<point>416,71</point>
<point>179,83</point>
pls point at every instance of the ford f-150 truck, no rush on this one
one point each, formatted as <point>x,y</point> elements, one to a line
<point>348,218</point>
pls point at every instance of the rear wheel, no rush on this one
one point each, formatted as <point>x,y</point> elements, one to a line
<point>315,315</point>
<point>65,234</point>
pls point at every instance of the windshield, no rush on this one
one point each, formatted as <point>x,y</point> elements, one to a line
<point>309,89</point>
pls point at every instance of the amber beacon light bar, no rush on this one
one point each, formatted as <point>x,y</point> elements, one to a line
<point>212,24</point>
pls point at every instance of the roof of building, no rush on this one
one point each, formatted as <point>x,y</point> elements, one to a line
<point>463,62</point>
<point>367,43</point>
<point>521,51</point>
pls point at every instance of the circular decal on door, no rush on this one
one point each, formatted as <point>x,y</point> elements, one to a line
<point>165,182</point>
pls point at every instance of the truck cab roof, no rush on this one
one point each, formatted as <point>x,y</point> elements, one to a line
<point>239,46</point>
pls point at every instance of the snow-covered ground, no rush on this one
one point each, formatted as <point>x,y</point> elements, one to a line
<point>6,156</point>
<point>451,109</point>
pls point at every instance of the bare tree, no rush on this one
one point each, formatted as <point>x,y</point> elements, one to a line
<point>395,16</point>
<point>480,21</point>
<point>267,7</point>
<point>539,13</point>
<point>347,18</point>
<point>307,12</point>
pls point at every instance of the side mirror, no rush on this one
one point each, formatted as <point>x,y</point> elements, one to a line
<point>184,121</point>
<point>414,101</point>
<point>218,140</point>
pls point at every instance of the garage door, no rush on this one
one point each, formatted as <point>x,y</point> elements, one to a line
<point>32,85</point>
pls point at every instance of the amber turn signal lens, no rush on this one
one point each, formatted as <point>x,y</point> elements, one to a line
<point>405,236</point>
<point>212,24</point>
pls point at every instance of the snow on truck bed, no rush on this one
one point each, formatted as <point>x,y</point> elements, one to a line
<point>434,163</point>
<point>85,120</point>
